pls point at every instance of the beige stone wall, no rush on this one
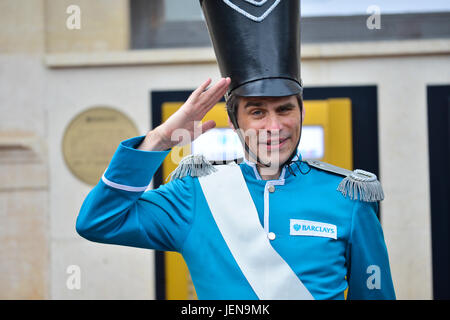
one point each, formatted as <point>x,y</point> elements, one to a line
<point>40,198</point>
<point>104,26</point>
<point>35,26</point>
<point>24,267</point>
<point>37,230</point>
<point>24,213</point>
<point>22,26</point>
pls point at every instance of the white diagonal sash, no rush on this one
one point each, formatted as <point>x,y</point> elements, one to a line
<point>235,214</point>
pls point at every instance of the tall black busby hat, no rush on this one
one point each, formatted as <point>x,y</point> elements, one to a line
<point>257,45</point>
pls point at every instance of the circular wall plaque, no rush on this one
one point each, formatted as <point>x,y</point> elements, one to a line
<point>91,139</point>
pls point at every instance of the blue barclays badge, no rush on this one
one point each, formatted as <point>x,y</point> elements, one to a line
<point>234,5</point>
<point>312,228</point>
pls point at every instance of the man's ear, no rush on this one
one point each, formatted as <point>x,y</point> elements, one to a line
<point>230,124</point>
<point>303,112</point>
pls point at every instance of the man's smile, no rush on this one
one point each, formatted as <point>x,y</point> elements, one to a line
<point>272,144</point>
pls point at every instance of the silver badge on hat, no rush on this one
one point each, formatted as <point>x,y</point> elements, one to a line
<point>255,3</point>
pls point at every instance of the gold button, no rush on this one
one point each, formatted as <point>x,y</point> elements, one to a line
<point>271,188</point>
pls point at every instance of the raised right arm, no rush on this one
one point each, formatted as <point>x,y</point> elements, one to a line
<point>119,211</point>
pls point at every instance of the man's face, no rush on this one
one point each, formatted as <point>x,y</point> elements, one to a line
<point>271,126</point>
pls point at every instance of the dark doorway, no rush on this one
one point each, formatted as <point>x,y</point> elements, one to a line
<point>438,99</point>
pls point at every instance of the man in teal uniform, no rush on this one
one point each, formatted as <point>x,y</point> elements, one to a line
<point>271,227</point>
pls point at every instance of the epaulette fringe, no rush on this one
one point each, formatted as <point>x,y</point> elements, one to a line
<point>357,184</point>
<point>193,165</point>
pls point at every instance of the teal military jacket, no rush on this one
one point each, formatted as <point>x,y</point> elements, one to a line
<point>337,244</point>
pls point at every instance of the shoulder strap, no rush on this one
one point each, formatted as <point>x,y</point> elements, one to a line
<point>328,167</point>
<point>196,165</point>
<point>357,184</point>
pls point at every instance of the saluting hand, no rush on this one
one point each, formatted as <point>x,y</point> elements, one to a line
<point>187,118</point>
